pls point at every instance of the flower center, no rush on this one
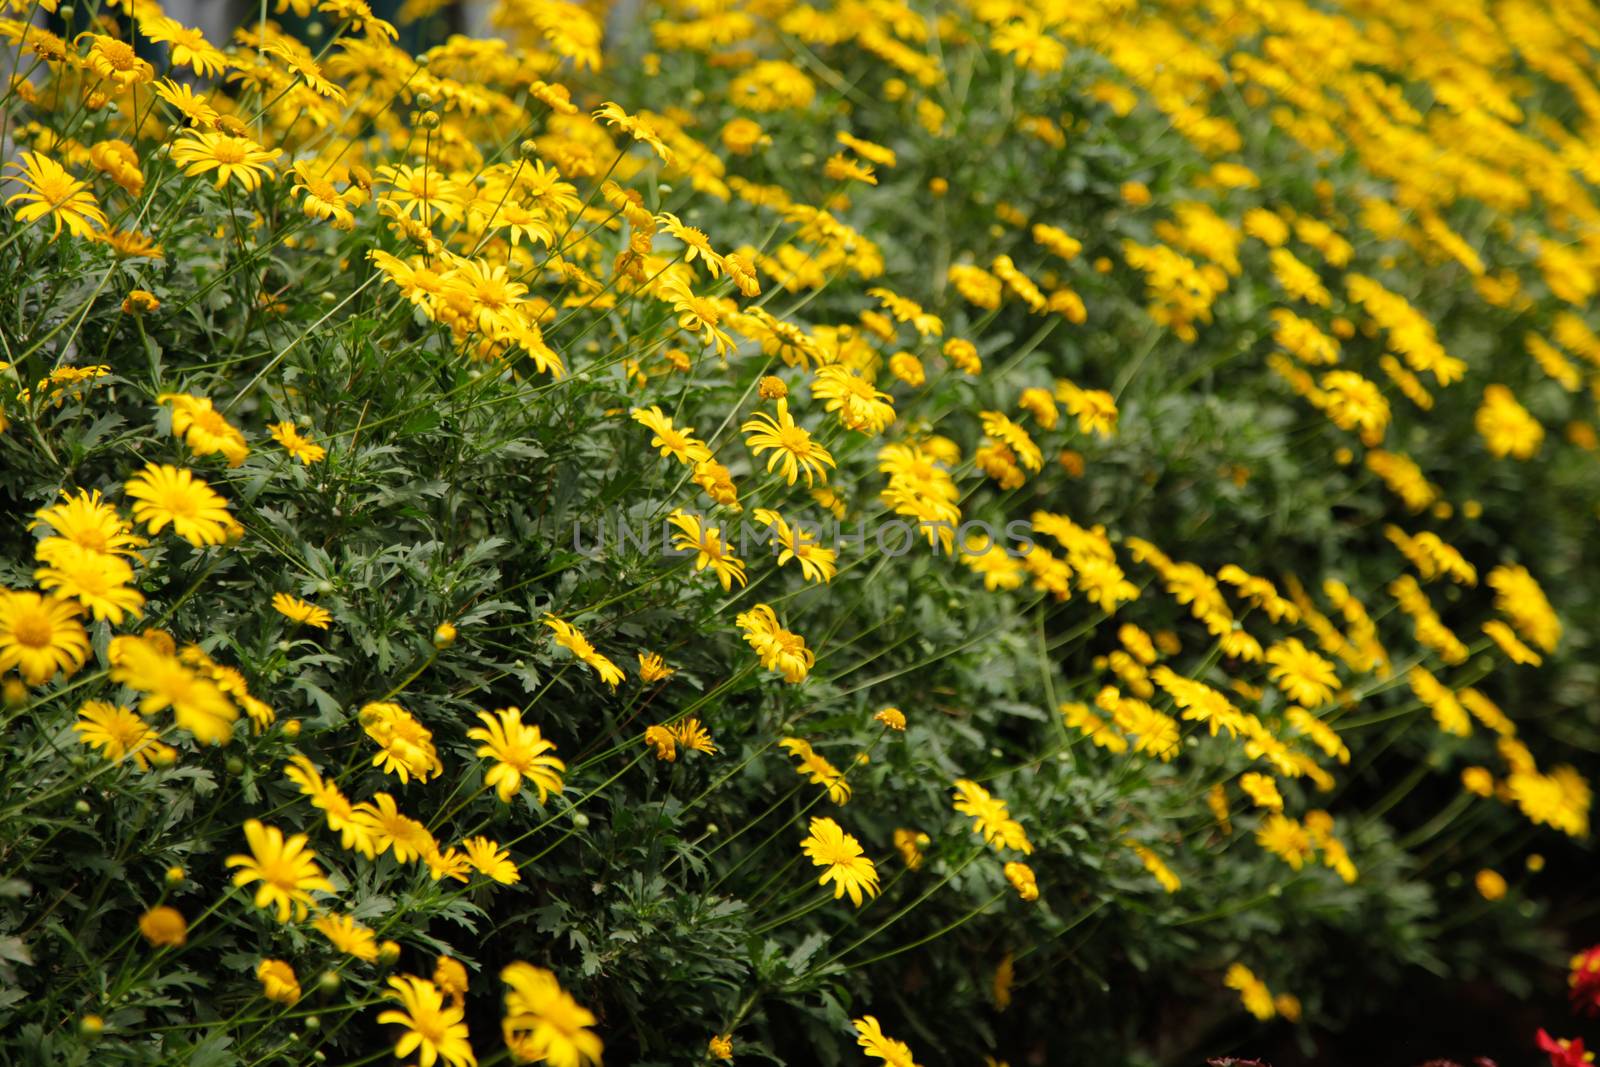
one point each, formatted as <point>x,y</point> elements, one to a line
<point>212,422</point>
<point>181,505</point>
<point>33,631</point>
<point>795,439</point>
<point>119,55</point>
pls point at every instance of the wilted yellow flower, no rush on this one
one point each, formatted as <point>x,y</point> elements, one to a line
<point>278,981</point>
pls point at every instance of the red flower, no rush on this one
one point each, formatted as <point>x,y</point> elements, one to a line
<point>1565,1053</point>
<point>1585,981</point>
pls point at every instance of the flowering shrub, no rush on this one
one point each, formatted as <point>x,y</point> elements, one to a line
<point>759,529</point>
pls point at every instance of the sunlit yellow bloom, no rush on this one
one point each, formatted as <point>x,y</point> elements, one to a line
<point>407,749</point>
<point>40,636</point>
<point>97,581</point>
<point>817,769</point>
<point>321,199</point>
<point>1519,598</point>
<point>878,1045</point>
<point>1515,650</point>
<point>234,158</point>
<point>182,98</point>
<point>430,1028</point>
<point>387,827</point>
<point>840,168</point>
<point>1506,426</point>
<point>991,819</point>
<point>491,859</point>
<point>120,734</point>
<point>780,650</point>
<point>198,703</point>
<point>286,869</point>
<point>790,443</point>
<point>868,150</point>
<point>291,607</point>
<point>859,405</point>
<point>50,191</point>
<point>817,564</point>
<point>707,543</point>
<point>450,863</point>
<point>348,936</point>
<point>166,495</point>
<point>637,127</point>
<point>1262,790</point>
<point>1014,437</point>
<point>652,668</point>
<point>571,638</point>
<point>297,444</point>
<point>116,61</point>
<point>679,444</point>
<point>336,808</point>
<point>87,521</point>
<point>663,740</point>
<point>696,245</point>
<point>544,1022</point>
<point>204,429</point>
<point>845,865</point>
<point>189,47</point>
<point>519,751</point>
<point>1285,838</point>
<point>1305,677</point>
